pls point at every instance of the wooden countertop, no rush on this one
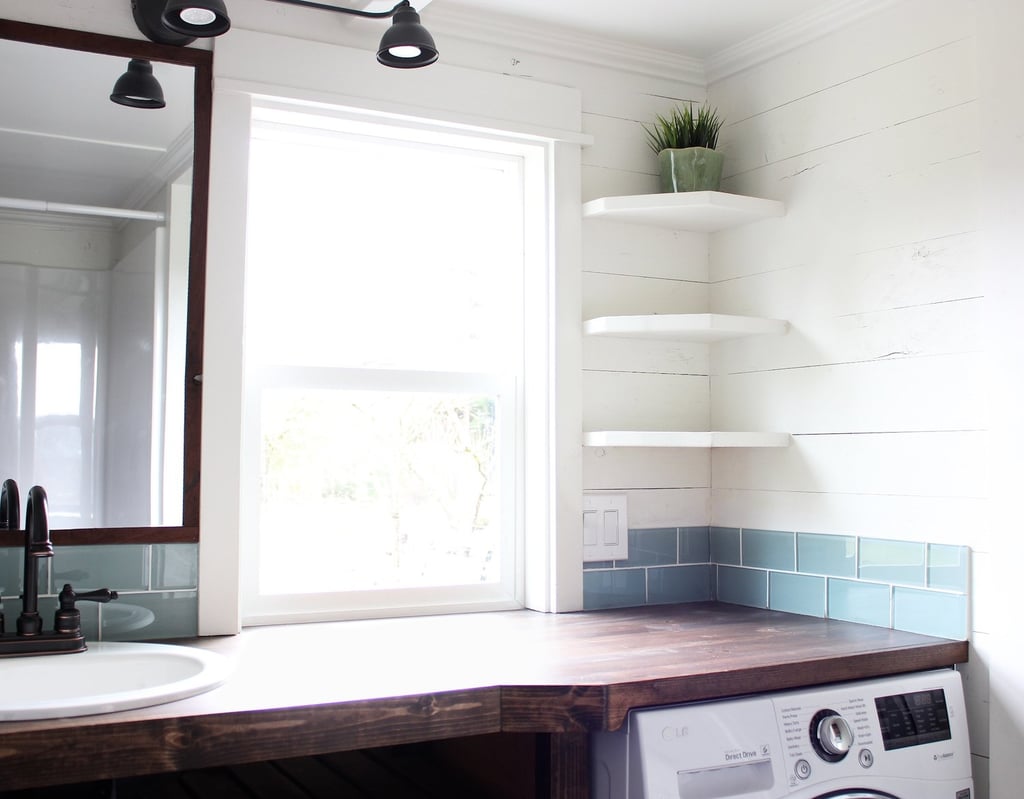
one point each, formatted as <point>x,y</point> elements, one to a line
<point>312,688</point>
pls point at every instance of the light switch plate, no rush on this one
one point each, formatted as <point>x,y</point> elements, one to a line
<point>605,527</point>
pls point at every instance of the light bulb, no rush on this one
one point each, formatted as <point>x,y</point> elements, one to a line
<point>197,16</point>
<point>405,51</point>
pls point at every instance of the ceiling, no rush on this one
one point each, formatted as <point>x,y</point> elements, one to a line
<point>695,29</point>
<point>63,141</point>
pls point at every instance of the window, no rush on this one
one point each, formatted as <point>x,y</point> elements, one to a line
<point>396,339</point>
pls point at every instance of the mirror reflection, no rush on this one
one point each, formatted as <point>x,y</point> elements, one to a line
<point>94,253</point>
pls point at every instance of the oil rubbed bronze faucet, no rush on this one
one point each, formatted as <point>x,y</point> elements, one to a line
<point>30,638</point>
<point>10,516</point>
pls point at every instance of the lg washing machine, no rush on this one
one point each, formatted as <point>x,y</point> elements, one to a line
<point>902,737</point>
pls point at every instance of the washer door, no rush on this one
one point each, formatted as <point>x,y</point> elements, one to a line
<point>857,794</point>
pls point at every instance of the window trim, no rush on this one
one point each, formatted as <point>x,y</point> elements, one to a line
<point>248,67</point>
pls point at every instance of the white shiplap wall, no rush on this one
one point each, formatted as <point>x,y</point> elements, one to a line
<point>869,136</point>
<point>630,269</point>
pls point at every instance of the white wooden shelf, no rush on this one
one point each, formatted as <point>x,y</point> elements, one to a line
<point>698,327</point>
<point>679,439</point>
<point>698,211</point>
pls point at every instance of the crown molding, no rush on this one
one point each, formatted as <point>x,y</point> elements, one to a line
<point>174,162</point>
<point>495,29</point>
<point>788,36</point>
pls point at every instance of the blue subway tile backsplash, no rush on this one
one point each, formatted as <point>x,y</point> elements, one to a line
<point>694,545</point>
<point>174,566</point>
<point>917,587</point>
<point>867,603</point>
<point>947,567</point>
<point>892,561</point>
<point>614,588</point>
<point>725,545</point>
<point>120,568</point>
<point>826,554</point>
<point>740,586</point>
<point>797,593</point>
<point>652,547</point>
<point>157,583</point>
<point>687,583</point>
<point>929,612</point>
<point>768,549</point>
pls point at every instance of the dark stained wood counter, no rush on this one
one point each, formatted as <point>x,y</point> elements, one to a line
<point>328,687</point>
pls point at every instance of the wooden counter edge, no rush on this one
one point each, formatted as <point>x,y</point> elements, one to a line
<point>576,708</point>
<point>34,758</point>
<point>621,699</point>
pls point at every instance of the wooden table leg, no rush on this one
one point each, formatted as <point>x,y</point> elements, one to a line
<point>563,765</point>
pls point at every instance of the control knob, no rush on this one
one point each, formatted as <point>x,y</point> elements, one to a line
<point>831,735</point>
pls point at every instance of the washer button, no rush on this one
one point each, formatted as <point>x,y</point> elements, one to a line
<point>803,769</point>
<point>867,760</point>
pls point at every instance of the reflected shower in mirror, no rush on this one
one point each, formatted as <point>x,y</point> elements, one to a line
<point>95,232</point>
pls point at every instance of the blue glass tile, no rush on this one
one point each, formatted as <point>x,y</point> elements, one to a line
<point>651,548</point>
<point>175,566</point>
<point>892,561</point>
<point>743,586</point>
<point>835,555</point>
<point>947,567</point>
<point>597,564</point>
<point>725,545</point>
<point>769,549</point>
<point>930,613</point>
<point>867,603</point>
<point>120,567</point>
<point>141,617</point>
<point>618,588</point>
<point>679,584</point>
<point>694,545</point>
<point>797,593</point>
<point>12,567</point>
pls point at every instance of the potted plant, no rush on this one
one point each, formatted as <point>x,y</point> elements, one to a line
<point>685,145</point>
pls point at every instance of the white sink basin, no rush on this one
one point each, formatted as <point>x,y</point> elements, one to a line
<point>106,677</point>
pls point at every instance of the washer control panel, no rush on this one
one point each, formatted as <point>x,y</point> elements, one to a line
<point>877,728</point>
<point>899,736</point>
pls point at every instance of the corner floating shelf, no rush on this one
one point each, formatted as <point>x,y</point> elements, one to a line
<point>704,440</point>
<point>698,211</point>
<point>705,328</point>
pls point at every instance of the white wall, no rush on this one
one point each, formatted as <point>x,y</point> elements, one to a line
<point>1001,127</point>
<point>870,137</point>
<point>129,390</point>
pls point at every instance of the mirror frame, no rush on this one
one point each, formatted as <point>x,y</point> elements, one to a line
<point>202,62</point>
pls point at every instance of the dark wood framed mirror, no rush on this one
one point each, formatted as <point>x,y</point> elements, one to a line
<point>167,518</point>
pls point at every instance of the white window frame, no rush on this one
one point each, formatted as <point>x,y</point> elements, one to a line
<point>247,68</point>
<point>504,594</point>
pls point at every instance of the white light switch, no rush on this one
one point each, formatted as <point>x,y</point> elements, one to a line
<point>604,527</point>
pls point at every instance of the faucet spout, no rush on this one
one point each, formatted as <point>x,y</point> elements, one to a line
<point>10,506</point>
<point>37,546</point>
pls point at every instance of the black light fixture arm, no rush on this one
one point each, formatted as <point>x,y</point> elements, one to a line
<point>354,11</point>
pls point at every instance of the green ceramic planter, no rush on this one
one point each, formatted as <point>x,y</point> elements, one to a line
<point>690,169</point>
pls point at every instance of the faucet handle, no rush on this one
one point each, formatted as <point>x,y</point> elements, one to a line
<point>67,618</point>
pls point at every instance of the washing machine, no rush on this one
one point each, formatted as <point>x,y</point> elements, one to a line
<point>901,737</point>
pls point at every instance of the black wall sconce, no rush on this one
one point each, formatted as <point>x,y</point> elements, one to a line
<point>138,88</point>
<point>180,22</point>
<point>176,22</point>
<point>405,45</point>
